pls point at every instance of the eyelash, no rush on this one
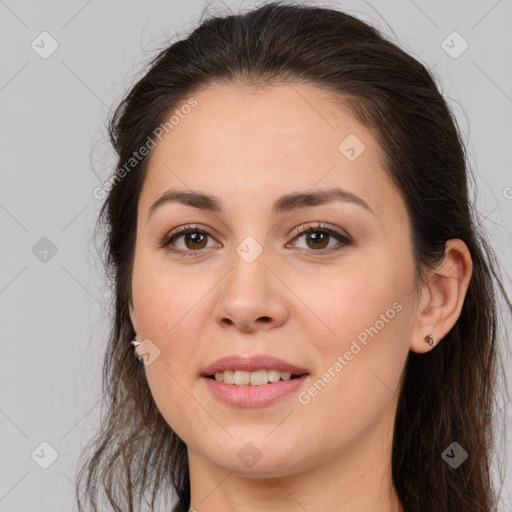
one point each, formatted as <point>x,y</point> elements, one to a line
<point>306,229</point>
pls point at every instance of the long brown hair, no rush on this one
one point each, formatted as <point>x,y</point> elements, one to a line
<point>448,394</point>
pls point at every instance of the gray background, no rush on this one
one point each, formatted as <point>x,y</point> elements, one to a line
<point>54,152</point>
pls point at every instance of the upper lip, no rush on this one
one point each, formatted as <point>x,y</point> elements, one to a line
<point>251,364</point>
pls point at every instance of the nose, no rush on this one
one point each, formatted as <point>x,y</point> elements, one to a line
<point>251,296</point>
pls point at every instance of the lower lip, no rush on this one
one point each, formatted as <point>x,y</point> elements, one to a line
<point>253,396</point>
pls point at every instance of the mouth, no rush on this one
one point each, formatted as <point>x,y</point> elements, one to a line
<point>248,380</point>
<point>257,392</point>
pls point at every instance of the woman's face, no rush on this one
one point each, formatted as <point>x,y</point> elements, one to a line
<point>245,282</point>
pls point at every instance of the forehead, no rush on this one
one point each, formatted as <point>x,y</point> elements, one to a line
<point>251,145</point>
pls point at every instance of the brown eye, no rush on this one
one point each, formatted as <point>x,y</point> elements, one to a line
<point>194,240</point>
<point>317,239</point>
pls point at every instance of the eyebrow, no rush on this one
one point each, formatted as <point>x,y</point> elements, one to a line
<point>284,204</point>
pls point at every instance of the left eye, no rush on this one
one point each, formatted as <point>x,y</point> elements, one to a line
<point>317,238</point>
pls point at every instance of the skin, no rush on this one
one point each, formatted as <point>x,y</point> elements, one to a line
<point>249,146</point>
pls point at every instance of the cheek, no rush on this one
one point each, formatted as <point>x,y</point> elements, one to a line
<point>365,324</point>
<point>361,362</point>
<point>345,303</point>
<point>162,297</point>
<point>172,311</point>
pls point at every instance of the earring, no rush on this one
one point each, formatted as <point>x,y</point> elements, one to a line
<point>430,340</point>
<point>136,343</point>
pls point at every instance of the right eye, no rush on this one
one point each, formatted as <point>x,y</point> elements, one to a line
<point>193,238</point>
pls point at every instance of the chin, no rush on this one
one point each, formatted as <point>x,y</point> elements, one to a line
<point>257,457</point>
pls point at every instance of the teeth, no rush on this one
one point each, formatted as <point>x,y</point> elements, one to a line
<point>274,375</point>
<point>242,378</point>
<point>257,378</point>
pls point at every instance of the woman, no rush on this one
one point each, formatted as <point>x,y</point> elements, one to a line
<point>297,266</point>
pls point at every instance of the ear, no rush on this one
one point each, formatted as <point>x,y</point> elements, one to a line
<point>442,295</point>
